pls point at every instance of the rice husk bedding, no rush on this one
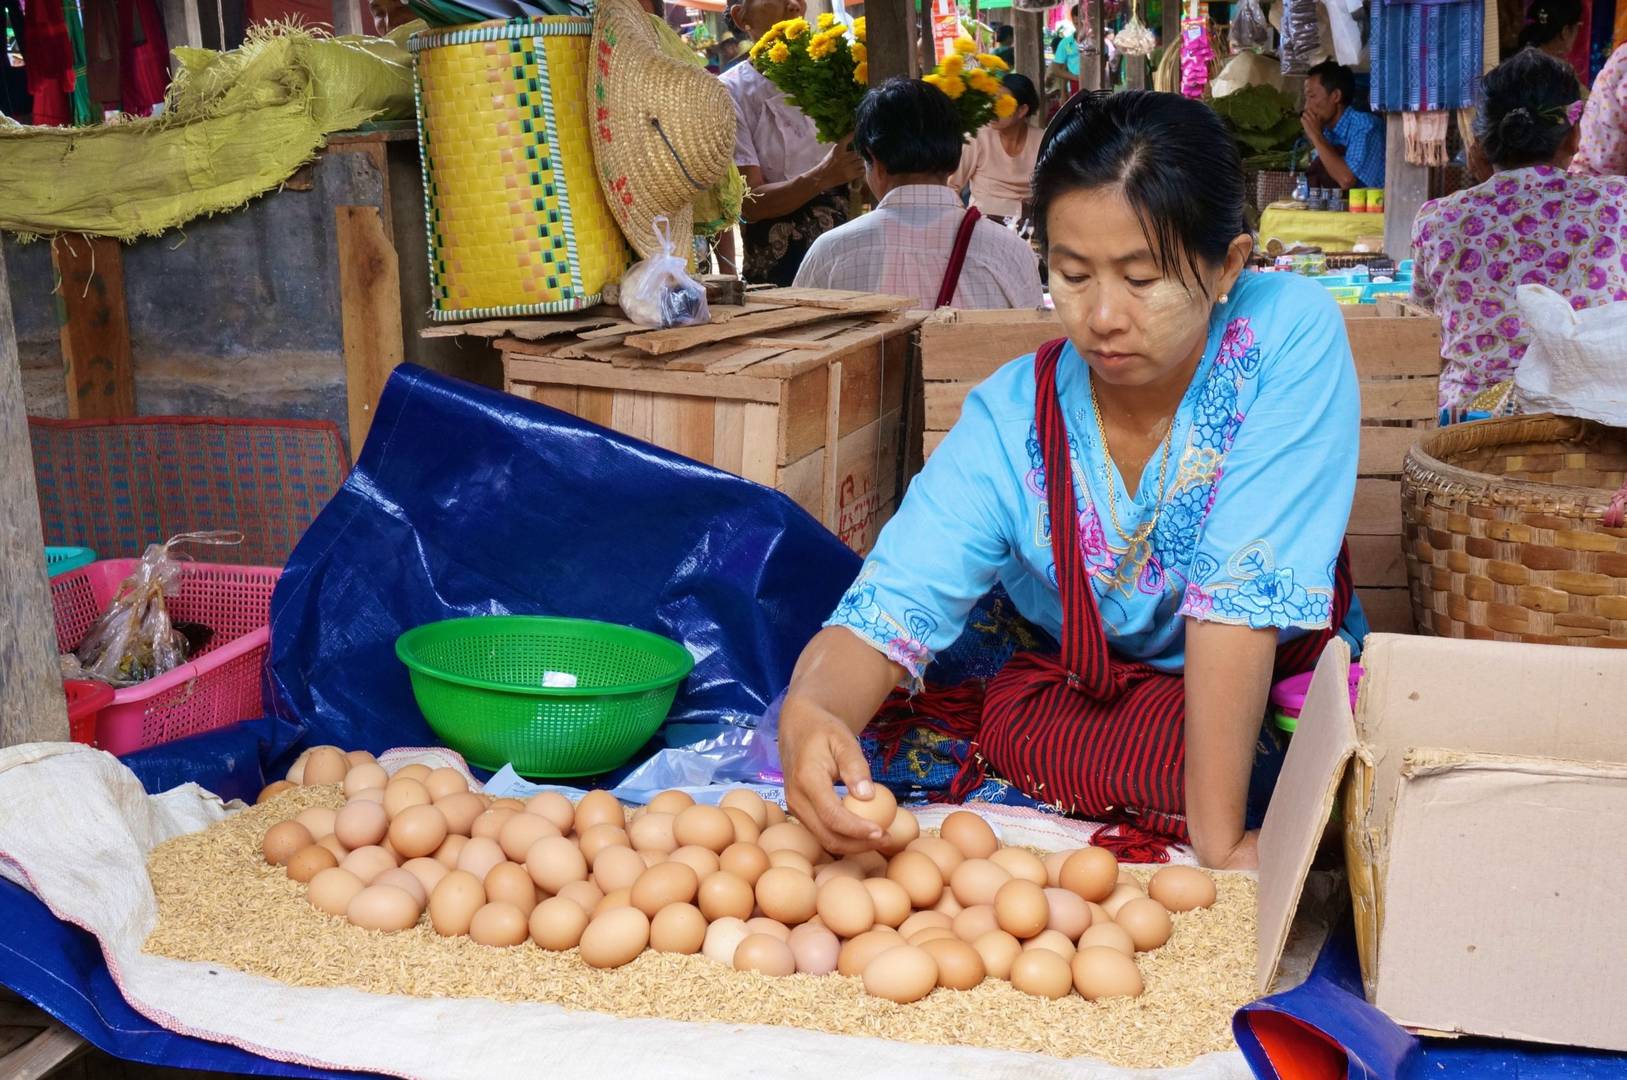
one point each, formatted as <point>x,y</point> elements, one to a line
<point>219,903</point>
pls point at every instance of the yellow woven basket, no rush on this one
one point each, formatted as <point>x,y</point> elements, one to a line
<point>517,222</point>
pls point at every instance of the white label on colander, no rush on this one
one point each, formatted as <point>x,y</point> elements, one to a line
<point>558,680</point>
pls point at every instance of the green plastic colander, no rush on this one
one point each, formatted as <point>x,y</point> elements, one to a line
<point>480,684</point>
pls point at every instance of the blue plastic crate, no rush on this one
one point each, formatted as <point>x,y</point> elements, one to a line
<point>59,560</point>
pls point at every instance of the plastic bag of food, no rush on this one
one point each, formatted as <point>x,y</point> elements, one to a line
<point>659,292</point>
<point>1301,36</point>
<point>1249,29</point>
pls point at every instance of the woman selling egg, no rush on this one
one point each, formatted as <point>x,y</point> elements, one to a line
<point>1206,421</point>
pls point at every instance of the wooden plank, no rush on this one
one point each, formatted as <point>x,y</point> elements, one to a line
<point>760,428</point>
<point>1384,347</point>
<point>944,400</point>
<point>525,329</point>
<point>596,405</point>
<point>1388,611</point>
<point>930,441</point>
<point>1376,510</point>
<point>833,436</point>
<point>520,369</point>
<point>32,707</point>
<point>728,436</point>
<point>564,398</point>
<point>1377,561</point>
<point>802,428</point>
<point>369,313</point>
<point>95,328</point>
<point>1384,449</point>
<point>1029,45</point>
<point>975,350</point>
<point>684,426</point>
<point>679,338</point>
<point>856,303</point>
<point>1399,399</point>
<point>859,402</point>
<point>633,413</point>
<point>53,1047</point>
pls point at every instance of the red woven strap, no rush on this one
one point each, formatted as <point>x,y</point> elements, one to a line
<point>957,258</point>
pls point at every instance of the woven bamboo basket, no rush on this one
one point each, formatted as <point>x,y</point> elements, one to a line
<point>517,222</point>
<point>1505,532</point>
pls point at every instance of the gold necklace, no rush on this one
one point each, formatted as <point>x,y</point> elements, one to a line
<point>1138,545</point>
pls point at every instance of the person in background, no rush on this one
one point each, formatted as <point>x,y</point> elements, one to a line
<point>1349,142</point>
<point>729,52</point>
<point>1552,26</point>
<point>1005,44</point>
<point>908,135</point>
<point>389,15</point>
<point>998,162</point>
<point>1601,148</point>
<point>1530,224</point>
<point>1067,49</point>
<point>795,186</point>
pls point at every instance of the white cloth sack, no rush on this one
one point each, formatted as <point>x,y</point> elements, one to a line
<point>76,827</point>
<point>1577,362</point>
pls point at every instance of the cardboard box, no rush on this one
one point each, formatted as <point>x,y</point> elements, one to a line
<point>1485,797</point>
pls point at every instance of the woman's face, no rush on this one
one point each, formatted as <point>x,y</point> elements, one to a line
<point>1015,120</point>
<point>1133,326</point>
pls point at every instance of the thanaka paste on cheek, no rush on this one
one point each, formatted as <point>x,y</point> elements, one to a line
<point>1175,318</point>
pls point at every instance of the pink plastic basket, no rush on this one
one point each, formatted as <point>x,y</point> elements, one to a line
<point>220,686</point>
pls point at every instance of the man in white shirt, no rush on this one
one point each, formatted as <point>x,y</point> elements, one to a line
<point>909,138</point>
<point>796,184</point>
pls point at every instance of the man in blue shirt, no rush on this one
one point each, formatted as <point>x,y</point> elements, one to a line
<point>1349,142</point>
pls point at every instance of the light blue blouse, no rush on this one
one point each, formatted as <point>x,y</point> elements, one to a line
<point>1260,482</point>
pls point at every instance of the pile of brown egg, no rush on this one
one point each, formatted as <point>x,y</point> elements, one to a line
<point>738,883</point>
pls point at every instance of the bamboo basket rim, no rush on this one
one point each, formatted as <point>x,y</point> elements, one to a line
<point>1425,465</point>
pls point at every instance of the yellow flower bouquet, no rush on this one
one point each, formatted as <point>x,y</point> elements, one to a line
<point>821,69</point>
<point>972,81</point>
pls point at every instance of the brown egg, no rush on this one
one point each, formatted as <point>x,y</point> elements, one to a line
<point>792,860</point>
<point>489,825</point>
<point>332,843</point>
<point>309,861</point>
<point>599,837</point>
<point>554,862</point>
<point>879,809</point>
<point>1020,908</point>
<point>360,824</point>
<point>1107,935</point>
<point>999,951</point>
<point>1041,973</point>
<point>845,906</point>
<point>902,974</point>
<point>787,895</point>
<point>1020,863</point>
<point>359,757</point>
<point>372,794</point>
<point>1121,895</point>
<point>361,777</point>
<point>428,872</point>
<point>1105,973</point>
<point>500,925</point>
<point>970,834</point>
<point>1053,867</point>
<point>453,903</point>
<point>273,789</point>
<point>661,886</point>
<point>1182,888</point>
<point>332,890</point>
<point>973,922</point>
<point>479,855</point>
<point>599,808</point>
<point>722,895</point>
<point>1147,923</point>
<point>584,894</point>
<point>723,937</point>
<point>516,805</point>
<point>383,907</point>
<point>1127,878</point>
<point>959,965</point>
<point>703,826</point>
<point>553,808</point>
<point>653,832</point>
<point>1069,915</point>
<point>407,883</point>
<point>615,937</point>
<point>948,905</point>
<point>744,828</point>
<point>520,832</point>
<point>326,765</point>
<point>745,861</point>
<point>857,954</point>
<point>1098,914</point>
<point>450,850</point>
<point>461,810</point>
<point>701,860</point>
<point>749,803</point>
<point>764,954</point>
<point>1052,941</point>
<point>815,949</point>
<point>903,830</point>
<point>678,928</point>
<point>891,902</point>
<point>946,855</point>
<point>418,831</point>
<point>402,792</point>
<point>671,803</point>
<point>368,863</point>
<point>319,820</point>
<point>873,863</point>
<point>976,881</point>
<point>919,876</point>
<point>507,883</point>
<point>443,782</point>
<point>789,836</point>
<point>923,919</point>
<point>775,814</point>
<point>619,898</point>
<point>617,868</point>
<point>1090,874</point>
<point>556,924</point>
<point>283,841</point>
<point>931,933</point>
<point>419,773</point>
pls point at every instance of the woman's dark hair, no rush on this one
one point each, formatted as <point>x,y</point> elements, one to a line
<point>1021,87</point>
<point>1334,76</point>
<point>1525,118</point>
<point>1006,34</point>
<point>1170,157</point>
<point>910,127</point>
<point>1547,19</point>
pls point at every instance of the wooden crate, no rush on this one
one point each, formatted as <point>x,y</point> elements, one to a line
<point>1397,352</point>
<point>799,390</point>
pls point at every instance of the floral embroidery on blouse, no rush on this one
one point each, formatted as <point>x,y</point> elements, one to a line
<point>1535,226</point>
<point>1256,593</point>
<point>905,642</point>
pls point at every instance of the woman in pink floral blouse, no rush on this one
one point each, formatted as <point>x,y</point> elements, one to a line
<point>1530,224</point>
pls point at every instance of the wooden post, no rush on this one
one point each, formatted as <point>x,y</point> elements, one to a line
<point>369,313</point>
<point>1171,38</point>
<point>32,705</point>
<point>182,26</point>
<point>1098,32</point>
<point>890,31</point>
<point>347,17</point>
<point>1406,188</point>
<point>926,49</point>
<point>1029,50</point>
<point>95,328</point>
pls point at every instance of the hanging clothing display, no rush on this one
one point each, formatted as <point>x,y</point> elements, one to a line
<point>127,53</point>
<point>15,100</point>
<point>1425,133</point>
<point>1427,55</point>
<point>55,63</point>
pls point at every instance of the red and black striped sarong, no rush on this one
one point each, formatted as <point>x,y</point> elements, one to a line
<point>1082,729</point>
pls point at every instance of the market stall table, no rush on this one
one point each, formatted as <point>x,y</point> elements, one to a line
<point>1288,225</point>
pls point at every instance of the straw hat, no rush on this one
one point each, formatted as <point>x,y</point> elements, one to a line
<point>663,131</point>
